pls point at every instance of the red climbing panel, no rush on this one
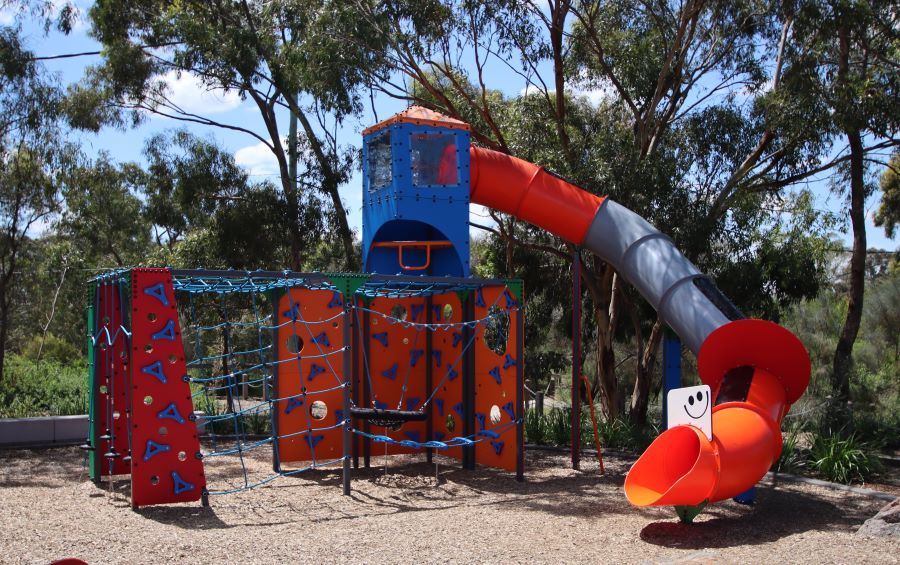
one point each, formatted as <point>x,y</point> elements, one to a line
<point>447,362</point>
<point>110,382</point>
<point>496,360</point>
<point>309,374</point>
<point>166,461</point>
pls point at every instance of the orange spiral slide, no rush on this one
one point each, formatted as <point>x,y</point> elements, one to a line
<point>756,369</point>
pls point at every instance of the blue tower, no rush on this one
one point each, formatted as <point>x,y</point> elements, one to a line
<point>416,195</point>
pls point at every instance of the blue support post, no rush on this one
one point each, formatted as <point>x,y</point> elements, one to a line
<point>671,369</point>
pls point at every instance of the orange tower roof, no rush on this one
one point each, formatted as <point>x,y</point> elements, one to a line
<point>420,116</point>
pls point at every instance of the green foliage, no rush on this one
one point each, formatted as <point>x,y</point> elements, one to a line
<point>842,458</point>
<point>559,426</point>
<point>46,388</point>
<point>888,213</point>
<point>535,428</point>
<point>793,458</point>
<point>53,349</point>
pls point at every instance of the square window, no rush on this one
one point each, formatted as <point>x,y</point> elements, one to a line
<point>433,159</point>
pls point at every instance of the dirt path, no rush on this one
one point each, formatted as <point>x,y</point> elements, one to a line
<point>48,510</point>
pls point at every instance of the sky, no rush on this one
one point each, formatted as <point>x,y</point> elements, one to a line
<point>189,93</point>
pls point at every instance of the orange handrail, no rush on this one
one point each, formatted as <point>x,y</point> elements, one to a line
<point>587,387</point>
<point>427,245</point>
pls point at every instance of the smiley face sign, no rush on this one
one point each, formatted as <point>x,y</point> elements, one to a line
<point>691,406</point>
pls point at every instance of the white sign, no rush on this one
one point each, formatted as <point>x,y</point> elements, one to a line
<point>690,406</point>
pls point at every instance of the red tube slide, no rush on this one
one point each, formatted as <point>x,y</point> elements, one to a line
<point>756,369</point>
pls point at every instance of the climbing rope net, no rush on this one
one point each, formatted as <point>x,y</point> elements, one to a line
<point>241,344</point>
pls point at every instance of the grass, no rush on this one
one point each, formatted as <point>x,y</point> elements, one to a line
<point>842,458</point>
<point>45,388</point>
<point>555,428</point>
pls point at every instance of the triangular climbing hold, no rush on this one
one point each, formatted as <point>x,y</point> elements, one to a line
<point>411,403</point>
<point>181,485</point>
<point>315,370</point>
<point>509,362</point>
<point>436,312</point>
<point>414,435</point>
<point>439,403</point>
<point>498,446</point>
<point>482,419</point>
<point>155,369</point>
<point>167,333</point>
<point>335,300</point>
<point>390,373</point>
<point>508,408</point>
<point>451,374</point>
<point>510,301</point>
<point>381,337</point>
<point>415,355</point>
<point>157,291</point>
<point>313,441</point>
<point>479,298</point>
<point>457,337</point>
<point>495,372</point>
<point>458,408</point>
<point>154,449</point>
<point>338,416</point>
<point>439,436</point>
<point>293,313</point>
<point>322,339</point>
<point>292,404</point>
<point>380,405</point>
<point>415,310</point>
<point>436,355</point>
<point>171,412</point>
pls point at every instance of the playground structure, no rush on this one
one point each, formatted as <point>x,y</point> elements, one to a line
<point>420,174</point>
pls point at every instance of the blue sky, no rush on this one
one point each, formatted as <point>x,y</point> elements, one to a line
<point>189,93</point>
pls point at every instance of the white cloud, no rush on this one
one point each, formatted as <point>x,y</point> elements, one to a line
<point>7,16</point>
<point>258,159</point>
<point>189,93</point>
<point>594,95</point>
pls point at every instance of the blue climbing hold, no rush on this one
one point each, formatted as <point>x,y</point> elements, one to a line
<point>157,291</point>
<point>322,339</point>
<point>315,370</point>
<point>451,374</point>
<point>508,408</point>
<point>482,419</point>
<point>415,355</point>
<point>380,405</point>
<point>436,311</point>
<point>167,333</point>
<point>390,373</point>
<point>382,337</point>
<point>414,435</point>
<point>458,408</point>
<point>292,404</point>
<point>338,416</point>
<point>479,298</point>
<point>313,441</point>
<point>510,301</point>
<point>155,369</point>
<point>509,362</point>
<point>489,433</point>
<point>411,403</point>
<point>457,337</point>
<point>498,447</point>
<point>335,300</point>
<point>171,412</point>
<point>437,358</point>
<point>439,403</point>
<point>415,310</point>
<point>439,436</point>
<point>495,372</point>
<point>293,313</point>
<point>154,448</point>
<point>181,485</point>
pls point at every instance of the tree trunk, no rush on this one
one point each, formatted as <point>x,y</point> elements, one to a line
<point>642,383</point>
<point>843,353</point>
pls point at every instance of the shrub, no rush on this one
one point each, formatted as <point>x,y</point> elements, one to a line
<point>793,456</point>
<point>559,426</point>
<point>842,458</point>
<point>535,427</point>
<point>53,349</point>
<point>42,389</point>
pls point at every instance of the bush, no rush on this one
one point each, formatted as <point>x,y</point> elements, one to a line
<point>53,349</point>
<point>842,458</point>
<point>793,456</point>
<point>535,428</point>
<point>559,426</point>
<point>47,388</point>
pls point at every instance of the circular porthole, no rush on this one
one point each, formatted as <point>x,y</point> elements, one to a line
<point>318,410</point>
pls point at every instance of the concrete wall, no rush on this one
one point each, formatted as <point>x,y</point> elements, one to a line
<point>55,430</point>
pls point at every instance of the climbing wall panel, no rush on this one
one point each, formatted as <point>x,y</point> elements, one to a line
<point>166,460</point>
<point>397,364</point>
<point>109,426</point>
<point>447,366</point>
<point>309,375</point>
<point>496,361</point>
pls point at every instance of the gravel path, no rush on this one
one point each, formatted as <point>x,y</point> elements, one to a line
<point>49,509</point>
